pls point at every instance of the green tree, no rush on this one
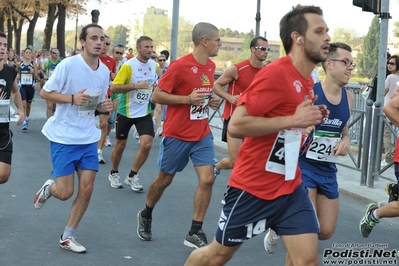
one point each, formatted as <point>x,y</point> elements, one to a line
<point>118,35</point>
<point>348,36</point>
<point>396,29</point>
<point>368,63</point>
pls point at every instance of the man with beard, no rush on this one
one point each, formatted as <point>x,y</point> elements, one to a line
<point>317,164</point>
<point>265,188</point>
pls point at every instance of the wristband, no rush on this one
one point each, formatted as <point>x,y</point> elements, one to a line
<point>72,101</point>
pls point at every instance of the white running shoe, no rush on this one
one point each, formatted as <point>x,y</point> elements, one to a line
<point>136,135</point>
<point>159,132</point>
<point>100,158</point>
<point>41,197</point>
<point>71,244</point>
<point>115,180</point>
<point>134,183</point>
<point>270,241</point>
<point>107,142</point>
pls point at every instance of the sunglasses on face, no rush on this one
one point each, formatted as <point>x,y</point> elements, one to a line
<point>161,60</point>
<point>119,53</point>
<point>262,48</point>
<point>391,63</point>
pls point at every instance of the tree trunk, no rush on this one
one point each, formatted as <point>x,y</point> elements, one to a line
<point>61,29</point>
<point>48,30</point>
<point>10,33</point>
<point>31,30</point>
<point>2,23</point>
<point>18,23</point>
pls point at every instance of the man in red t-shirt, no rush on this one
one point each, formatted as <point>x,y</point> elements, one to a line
<point>272,115</point>
<point>104,117</point>
<point>187,90</point>
<point>238,76</point>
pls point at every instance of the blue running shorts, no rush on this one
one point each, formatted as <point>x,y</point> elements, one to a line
<point>245,216</point>
<point>325,185</point>
<point>67,158</point>
<point>174,153</point>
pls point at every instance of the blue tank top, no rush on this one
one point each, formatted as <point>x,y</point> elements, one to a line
<point>337,120</point>
<point>25,77</point>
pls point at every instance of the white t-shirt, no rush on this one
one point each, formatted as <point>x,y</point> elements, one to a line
<point>69,125</point>
<point>390,84</point>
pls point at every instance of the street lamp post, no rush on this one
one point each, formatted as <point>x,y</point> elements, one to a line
<point>257,18</point>
<point>94,16</point>
<point>76,29</point>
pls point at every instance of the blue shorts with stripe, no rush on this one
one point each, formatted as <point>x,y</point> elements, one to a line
<point>245,216</point>
<point>325,185</point>
<point>174,154</point>
<point>67,158</point>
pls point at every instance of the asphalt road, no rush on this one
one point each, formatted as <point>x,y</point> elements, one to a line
<point>108,229</point>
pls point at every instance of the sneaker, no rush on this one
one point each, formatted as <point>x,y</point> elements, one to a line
<point>40,197</point>
<point>71,244</point>
<point>100,158</point>
<point>144,227</point>
<point>367,223</point>
<point>270,241</point>
<point>216,172</point>
<point>159,132</point>
<point>115,180</point>
<point>197,240</point>
<point>136,135</point>
<point>389,188</point>
<point>134,183</point>
<point>107,142</point>
<point>25,125</point>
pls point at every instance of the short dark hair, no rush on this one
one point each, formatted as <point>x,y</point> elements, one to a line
<point>165,53</point>
<point>118,45</point>
<point>83,33</point>
<point>141,39</point>
<point>254,41</point>
<point>296,21</point>
<point>2,34</point>
<point>332,51</point>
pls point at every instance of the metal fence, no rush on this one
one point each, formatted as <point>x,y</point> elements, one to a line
<point>365,123</point>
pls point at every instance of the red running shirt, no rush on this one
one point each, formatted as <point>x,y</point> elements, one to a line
<point>276,90</point>
<point>183,76</point>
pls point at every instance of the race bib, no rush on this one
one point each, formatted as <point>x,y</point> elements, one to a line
<point>50,72</point>
<point>322,146</point>
<point>200,112</point>
<point>4,111</point>
<point>90,107</point>
<point>142,96</point>
<point>26,79</point>
<point>283,157</point>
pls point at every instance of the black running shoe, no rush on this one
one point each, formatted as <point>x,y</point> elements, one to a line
<point>390,189</point>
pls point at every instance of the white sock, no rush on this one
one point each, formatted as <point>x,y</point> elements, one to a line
<point>375,215</point>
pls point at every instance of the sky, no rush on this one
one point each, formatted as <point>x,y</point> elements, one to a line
<point>240,17</point>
